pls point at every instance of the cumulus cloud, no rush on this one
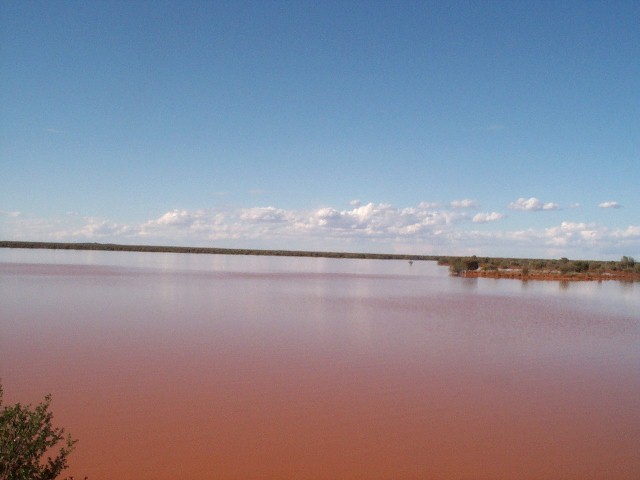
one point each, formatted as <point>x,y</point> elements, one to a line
<point>428,205</point>
<point>98,228</point>
<point>263,214</point>
<point>575,232</point>
<point>610,204</point>
<point>181,223</point>
<point>466,203</point>
<point>488,217</point>
<point>631,231</point>
<point>532,205</point>
<point>178,218</point>
<point>372,219</point>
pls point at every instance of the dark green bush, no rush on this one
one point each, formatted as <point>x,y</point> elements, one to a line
<point>580,266</point>
<point>471,264</point>
<point>26,436</point>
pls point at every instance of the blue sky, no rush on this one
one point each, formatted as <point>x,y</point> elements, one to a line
<point>489,128</point>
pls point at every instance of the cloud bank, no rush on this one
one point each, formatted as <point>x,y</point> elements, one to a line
<point>428,228</point>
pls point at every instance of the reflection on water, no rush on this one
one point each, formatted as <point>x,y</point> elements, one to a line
<point>188,366</point>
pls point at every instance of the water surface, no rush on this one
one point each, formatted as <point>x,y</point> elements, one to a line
<point>217,367</point>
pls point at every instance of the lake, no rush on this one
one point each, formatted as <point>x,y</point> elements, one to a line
<point>171,366</point>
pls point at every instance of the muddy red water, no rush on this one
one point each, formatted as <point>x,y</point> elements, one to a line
<point>175,366</point>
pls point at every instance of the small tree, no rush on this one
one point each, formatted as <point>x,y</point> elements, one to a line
<point>456,266</point>
<point>26,436</point>
<point>627,262</point>
<point>471,263</point>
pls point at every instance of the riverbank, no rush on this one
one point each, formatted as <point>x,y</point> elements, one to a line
<point>554,276</point>
<point>563,269</point>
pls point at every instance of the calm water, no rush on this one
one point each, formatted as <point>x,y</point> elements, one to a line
<point>173,366</point>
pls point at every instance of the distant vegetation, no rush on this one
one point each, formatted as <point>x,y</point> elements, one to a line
<point>203,250</point>
<point>543,269</point>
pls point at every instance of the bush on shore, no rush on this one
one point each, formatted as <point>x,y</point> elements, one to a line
<point>460,265</point>
<point>26,436</point>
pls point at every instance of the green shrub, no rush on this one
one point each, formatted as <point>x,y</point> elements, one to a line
<point>456,266</point>
<point>471,264</point>
<point>26,436</point>
<point>580,266</point>
<point>565,268</point>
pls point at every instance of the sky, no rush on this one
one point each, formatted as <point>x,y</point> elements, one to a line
<point>441,128</point>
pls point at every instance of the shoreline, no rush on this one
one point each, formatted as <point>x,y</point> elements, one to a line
<point>546,276</point>
<point>560,270</point>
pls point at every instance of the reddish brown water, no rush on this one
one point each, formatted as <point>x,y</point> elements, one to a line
<point>316,369</point>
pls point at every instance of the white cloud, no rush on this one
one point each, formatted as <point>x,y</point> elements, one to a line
<point>631,231</point>
<point>610,204</point>
<point>466,203</point>
<point>181,223</point>
<point>532,205</point>
<point>97,228</point>
<point>178,218</point>
<point>488,217</point>
<point>263,214</point>
<point>428,205</point>
<point>372,218</point>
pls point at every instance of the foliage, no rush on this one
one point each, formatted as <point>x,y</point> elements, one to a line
<point>26,436</point>
<point>580,266</point>
<point>591,269</point>
<point>627,262</point>
<point>471,263</point>
<point>456,266</point>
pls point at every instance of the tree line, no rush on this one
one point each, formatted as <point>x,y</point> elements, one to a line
<point>564,266</point>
